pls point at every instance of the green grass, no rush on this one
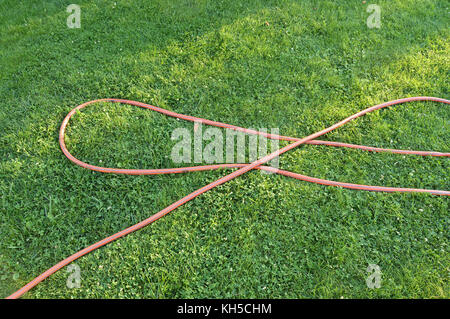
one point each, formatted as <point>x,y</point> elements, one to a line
<point>264,236</point>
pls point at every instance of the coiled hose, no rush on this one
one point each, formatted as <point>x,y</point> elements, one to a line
<point>241,169</point>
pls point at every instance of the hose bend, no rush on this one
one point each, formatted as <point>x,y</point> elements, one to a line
<point>241,169</point>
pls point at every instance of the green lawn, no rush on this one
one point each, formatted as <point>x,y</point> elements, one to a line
<point>299,66</point>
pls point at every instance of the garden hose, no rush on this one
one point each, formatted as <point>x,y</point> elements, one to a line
<point>241,169</point>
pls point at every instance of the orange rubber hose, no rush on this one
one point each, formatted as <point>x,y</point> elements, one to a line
<point>242,168</point>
